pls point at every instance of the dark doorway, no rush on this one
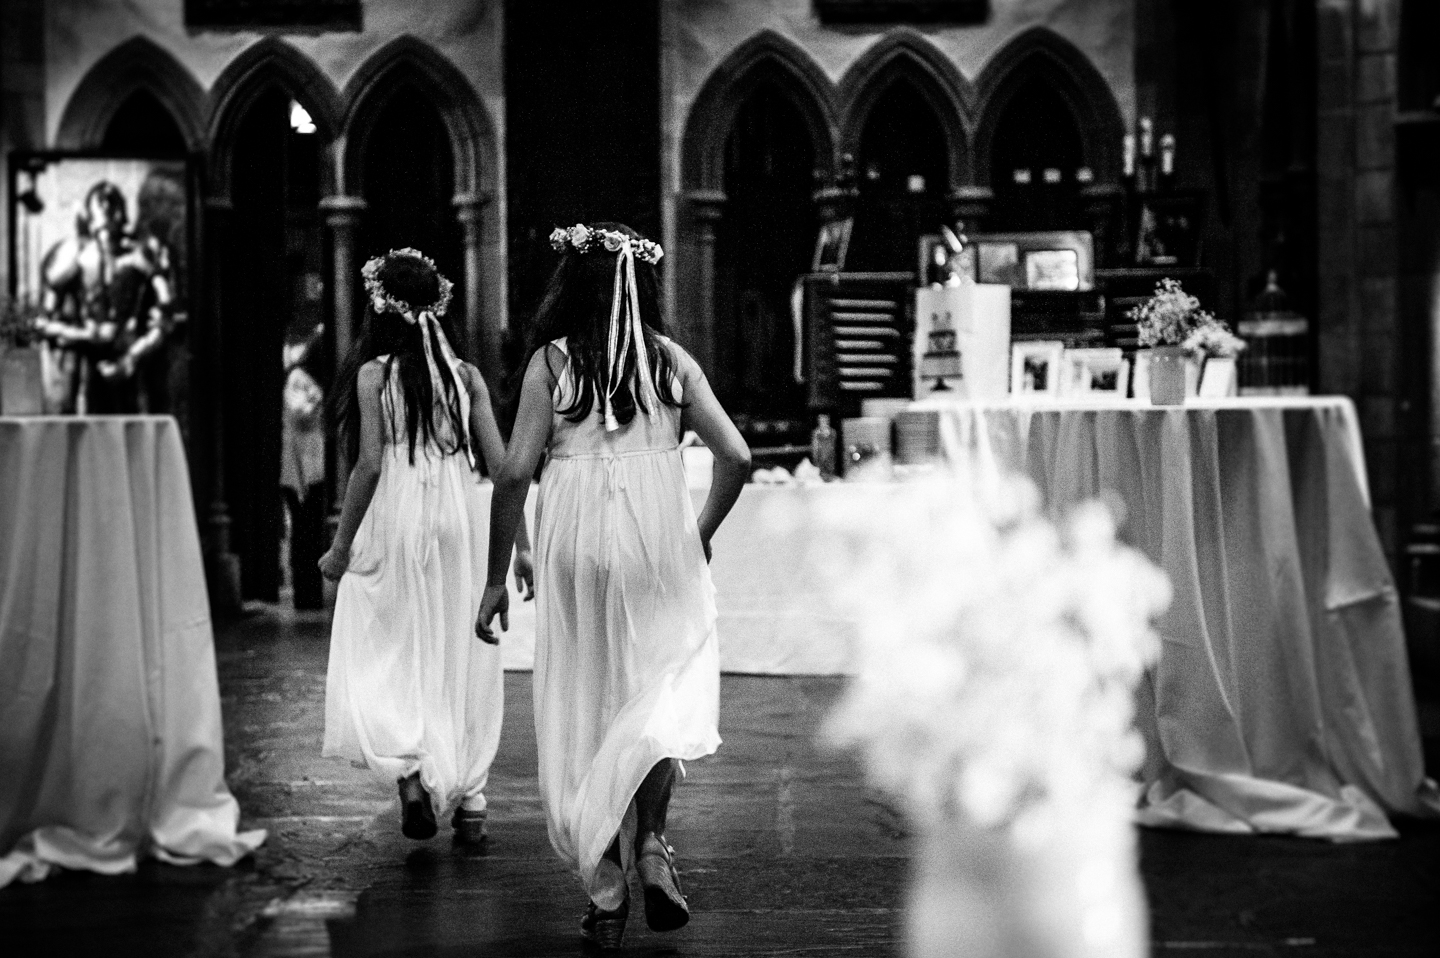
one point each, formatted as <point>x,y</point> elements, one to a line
<point>143,127</point>
<point>902,174</point>
<point>271,275</point>
<point>409,189</point>
<point>582,138</point>
<point>763,245</point>
<point>1037,162</point>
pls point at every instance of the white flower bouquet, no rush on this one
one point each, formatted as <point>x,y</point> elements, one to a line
<point>1172,317</point>
<point>996,663</point>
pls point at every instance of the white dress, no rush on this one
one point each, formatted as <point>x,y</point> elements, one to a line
<point>627,663</point>
<point>409,685</point>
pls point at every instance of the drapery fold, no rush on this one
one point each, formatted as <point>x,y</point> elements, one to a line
<point>110,727</point>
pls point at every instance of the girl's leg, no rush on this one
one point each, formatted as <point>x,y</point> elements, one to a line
<point>652,801</point>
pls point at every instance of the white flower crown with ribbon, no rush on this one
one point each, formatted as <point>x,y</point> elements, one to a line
<point>626,330</point>
<point>428,319</point>
<point>583,239</point>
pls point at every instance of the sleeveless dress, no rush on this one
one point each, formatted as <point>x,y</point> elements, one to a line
<point>409,685</point>
<point>627,663</point>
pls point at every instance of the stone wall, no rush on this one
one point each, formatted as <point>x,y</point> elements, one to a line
<point>1358,322</point>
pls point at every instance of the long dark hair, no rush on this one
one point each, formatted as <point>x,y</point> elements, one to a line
<point>416,284</point>
<point>576,305</point>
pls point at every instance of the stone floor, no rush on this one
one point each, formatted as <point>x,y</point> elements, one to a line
<point>783,852</point>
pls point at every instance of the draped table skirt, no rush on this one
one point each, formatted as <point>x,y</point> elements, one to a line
<point>111,744</point>
<point>1282,699</point>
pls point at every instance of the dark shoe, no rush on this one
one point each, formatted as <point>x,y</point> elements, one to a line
<point>469,826</point>
<point>417,818</point>
<point>605,928</point>
<point>665,907</point>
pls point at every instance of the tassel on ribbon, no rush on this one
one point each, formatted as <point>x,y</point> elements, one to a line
<point>625,331</point>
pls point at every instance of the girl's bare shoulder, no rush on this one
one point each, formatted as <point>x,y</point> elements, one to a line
<point>371,375</point>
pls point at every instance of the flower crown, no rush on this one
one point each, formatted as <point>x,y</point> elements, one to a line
<point>586,240</point>
<point>371,272</point>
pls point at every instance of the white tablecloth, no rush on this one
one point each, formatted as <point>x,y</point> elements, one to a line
<point>767,614</point>
<point>110,738</point>
<point>1282,699</point>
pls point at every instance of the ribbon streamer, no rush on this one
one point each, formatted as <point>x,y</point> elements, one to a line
<point>430,326</point>
<point>625,331</point>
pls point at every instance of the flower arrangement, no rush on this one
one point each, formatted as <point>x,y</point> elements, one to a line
<point>583,239</point>
<point>1003,688</point>
<point>1172,317</point>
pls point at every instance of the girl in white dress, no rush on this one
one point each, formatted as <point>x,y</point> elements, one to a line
<point>409,692</point>
<point>627,669</point>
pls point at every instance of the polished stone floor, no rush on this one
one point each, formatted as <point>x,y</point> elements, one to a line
<point>782,850</point>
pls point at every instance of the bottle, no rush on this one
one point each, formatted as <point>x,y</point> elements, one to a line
<point>822,448</point>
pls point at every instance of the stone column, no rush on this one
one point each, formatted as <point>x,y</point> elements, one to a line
<point>706,207</point>
<point>222,567</point>
<point>342,215</point>
<point>482,333</point>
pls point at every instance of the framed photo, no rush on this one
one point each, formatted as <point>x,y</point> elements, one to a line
<point>1052,269</point>
<point>831,246</point>
<point>100,248</point>
<point>998,263</point>
<point>1035,367</point>
<point>1092,371</point>
<point>937,263</point>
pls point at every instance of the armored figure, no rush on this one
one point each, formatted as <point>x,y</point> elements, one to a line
<point>107,305</point>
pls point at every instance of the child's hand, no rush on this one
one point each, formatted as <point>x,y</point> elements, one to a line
<point>524,568</point>
<point>334,563</point>
<point>495,601</point>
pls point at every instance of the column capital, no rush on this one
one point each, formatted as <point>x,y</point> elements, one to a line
<point>706,204</point>
<point>218,204</point>
<point>469,205</point>
<point>342,212</point>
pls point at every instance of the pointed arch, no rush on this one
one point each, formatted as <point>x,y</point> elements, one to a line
<point>767,57</point>
<point>1041,53</point>
<point>137,64</point>
<point>471,130</point>
<point>269,61</point>
<point>906,55</point>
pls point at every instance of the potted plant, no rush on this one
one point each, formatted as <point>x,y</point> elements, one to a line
<point>1174,328</point>
<point>21,388</point>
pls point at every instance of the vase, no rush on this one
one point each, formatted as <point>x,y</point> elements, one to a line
<point>21,389</point>
<point>981,893</point>
<point>1169,370</point>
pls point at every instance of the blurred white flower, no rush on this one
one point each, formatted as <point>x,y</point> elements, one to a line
<point>998,651</point>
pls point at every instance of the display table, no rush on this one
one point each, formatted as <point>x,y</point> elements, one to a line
<point>110,734</point>
<point>1282,699</point>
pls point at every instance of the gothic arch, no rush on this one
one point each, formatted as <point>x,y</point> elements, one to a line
<point>268,61</point>
<point>904,54</point>
<point>766,57</point>
<point>1041,51</point>
<point>136,64</point>
<point>472,132</point>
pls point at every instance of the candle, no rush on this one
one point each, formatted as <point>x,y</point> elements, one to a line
<point>1167,154</point>
<point>1147,137</point>
<point>1129,154</point>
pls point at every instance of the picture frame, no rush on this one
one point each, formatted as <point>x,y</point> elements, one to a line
<point>831,245</point>
<point>1218,378</point>
<point>935,264</point>
<point>1062,259</point>
<point>1095,370</point>
<point>1035,368</point>
<point>1052,269</point>
<point>146,203</point>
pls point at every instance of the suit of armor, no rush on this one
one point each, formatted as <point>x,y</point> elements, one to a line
<point>107,308</point>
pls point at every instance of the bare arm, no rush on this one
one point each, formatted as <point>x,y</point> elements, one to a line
<point>704,414</point>
<point>512,482</point>
<point>364,477</point>
<point>485,434</point>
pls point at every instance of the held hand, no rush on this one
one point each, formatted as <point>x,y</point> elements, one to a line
<point>524,568</point>
<point>334,563</point>
<point>495,601</point>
